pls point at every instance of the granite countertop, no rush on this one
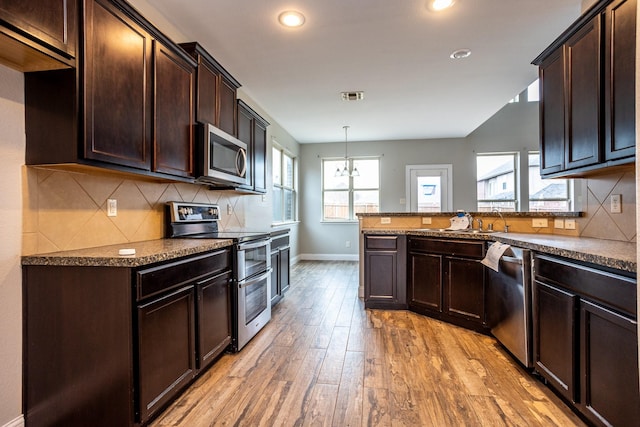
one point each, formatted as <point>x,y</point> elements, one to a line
<point>147,252</point>
<point>606,253</point>
<point>474,214</point>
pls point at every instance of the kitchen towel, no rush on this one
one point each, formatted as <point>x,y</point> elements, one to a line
<point>492,258</point>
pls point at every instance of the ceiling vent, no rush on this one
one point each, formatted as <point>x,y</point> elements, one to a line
<point>352,96</point>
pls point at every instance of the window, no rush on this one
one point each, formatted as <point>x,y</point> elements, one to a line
<point>345,196</point>
<point>533,91</point>
<point>284,191</point>
<point>497,181</point>
<point>548,195</point>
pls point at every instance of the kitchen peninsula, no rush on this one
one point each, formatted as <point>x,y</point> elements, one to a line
<point>579,297</point>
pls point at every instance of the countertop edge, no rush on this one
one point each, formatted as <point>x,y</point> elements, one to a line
<point>621,255</point>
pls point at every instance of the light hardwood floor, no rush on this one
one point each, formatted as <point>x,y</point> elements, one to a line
<point>325,360</point>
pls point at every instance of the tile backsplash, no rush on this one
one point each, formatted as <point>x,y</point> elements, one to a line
<point>66,210</point>
<point>599,221</point>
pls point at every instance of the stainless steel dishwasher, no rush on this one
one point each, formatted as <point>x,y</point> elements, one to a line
<point>509,303</point>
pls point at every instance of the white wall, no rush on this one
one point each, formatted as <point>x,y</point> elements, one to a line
<point>12,154</point>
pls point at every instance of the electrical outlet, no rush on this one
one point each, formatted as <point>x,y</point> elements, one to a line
<point>229,209</point>
<point>616,203</point>
<point>558,223</point>
<point>426,220</point>
<point>385,220</point>
<point>264,197</point>
<point>539,222</point>
<point>347,244</point>
<point>570,224</point>
<point>112,207</point>
<point>403,201</point>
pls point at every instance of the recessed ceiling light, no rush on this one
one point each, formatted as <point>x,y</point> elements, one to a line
<point>291,18</point>
<point>460,54</point>
<point>438,5</point>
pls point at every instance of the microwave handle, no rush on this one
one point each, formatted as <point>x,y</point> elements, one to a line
<point>241,172</point>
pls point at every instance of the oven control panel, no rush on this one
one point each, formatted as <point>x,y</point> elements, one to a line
<point>193,212</point>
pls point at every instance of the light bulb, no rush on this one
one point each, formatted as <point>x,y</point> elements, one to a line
<point>291,18</point>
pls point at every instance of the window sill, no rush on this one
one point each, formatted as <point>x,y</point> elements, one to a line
<point>350,221</point>
<point>284,223</point>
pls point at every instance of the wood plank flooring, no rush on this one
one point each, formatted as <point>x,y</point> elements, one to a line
<point>324,360</point>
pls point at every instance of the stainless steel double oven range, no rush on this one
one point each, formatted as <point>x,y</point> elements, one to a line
<point>251,290</point>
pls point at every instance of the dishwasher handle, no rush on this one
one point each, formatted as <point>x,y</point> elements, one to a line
<point>511,259</point>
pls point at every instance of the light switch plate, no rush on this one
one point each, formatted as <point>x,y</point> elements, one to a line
<point>570,224</point>
<point>558,223</point>
<point>426,220</point>
<point>616,203</point>
<point>112,207</point>
<point>385,220</point>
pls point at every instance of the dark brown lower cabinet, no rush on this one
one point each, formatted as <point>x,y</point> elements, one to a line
<point>446,280</point>
<point>166,348</point>
<point>214,317</point>
<point>608,366</point>
<point>112,346</point>
<point>385,271</point>
<point>280,265</point>
<point>585,338</point>
<point>555,338</point>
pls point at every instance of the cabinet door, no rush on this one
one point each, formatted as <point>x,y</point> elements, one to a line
<point>166,349</point>
<point>552,114</point>
<point>380,276</point>
<point>259,157</point>
<point>245,134</point>
<point>619,82</point>
<point>174,121</point>
<point>117,79</point>
<point>425,281</point>
<point>53,22</point>
<point>555,337</point>
<point>227,107</point>
<point>214,317</point>
<point>582,56</point>
<point>276,290</point>
<point>608,366</point>
<point>285,269</point>
<point>464,287</point>
<point>207,93</point>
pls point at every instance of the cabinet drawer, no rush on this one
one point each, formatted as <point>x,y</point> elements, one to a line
<point>613,290</point>
<point>154,280</point>
<point>381,242</point>
<point>465,248</point>
<point>280,242</point>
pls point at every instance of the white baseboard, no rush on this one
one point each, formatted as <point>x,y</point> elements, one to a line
<point>328,257</point>
<point>18,422</point>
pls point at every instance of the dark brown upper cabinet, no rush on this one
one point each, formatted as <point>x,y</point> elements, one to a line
<point>38,35</point>
<point>216,90</point>
<point>252,130</point>
<point>128,107</point>
<point>587,81</point>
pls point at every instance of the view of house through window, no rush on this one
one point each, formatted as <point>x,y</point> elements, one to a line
<point>548,195</point>
<point>496,181</point>
<point>345,195</point>
<point>284,191</point>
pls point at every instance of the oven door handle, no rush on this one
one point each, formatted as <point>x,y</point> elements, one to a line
<point>254,244</point>
<point>245,283</point>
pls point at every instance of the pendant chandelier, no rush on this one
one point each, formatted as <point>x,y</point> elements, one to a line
<point>345,171</point>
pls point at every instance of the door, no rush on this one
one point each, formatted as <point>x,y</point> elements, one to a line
<point>117,83</point>
<point>214,317</point>
<point>608,366</point>
<point>552,113</point>
<point>429,188</point>
<point>166,349</point>
<point>464,288</point>
<point>425,282</point>
<point>554,332</point>
<point>174,117</point>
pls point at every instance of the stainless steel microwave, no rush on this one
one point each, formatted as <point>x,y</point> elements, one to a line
<point>222,158</point>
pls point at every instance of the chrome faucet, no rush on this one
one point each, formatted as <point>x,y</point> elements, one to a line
<point>506,227</point>
<point>479,220</point>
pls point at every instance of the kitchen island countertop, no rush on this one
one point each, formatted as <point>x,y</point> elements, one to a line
<point>147,252</point>
<point>606,253</point>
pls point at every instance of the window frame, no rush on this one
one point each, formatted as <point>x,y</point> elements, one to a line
<point>284,188</point>
<point>516,180</point>
<point>351,189</point>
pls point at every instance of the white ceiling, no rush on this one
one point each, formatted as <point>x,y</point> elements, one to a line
<point>396,51</point>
